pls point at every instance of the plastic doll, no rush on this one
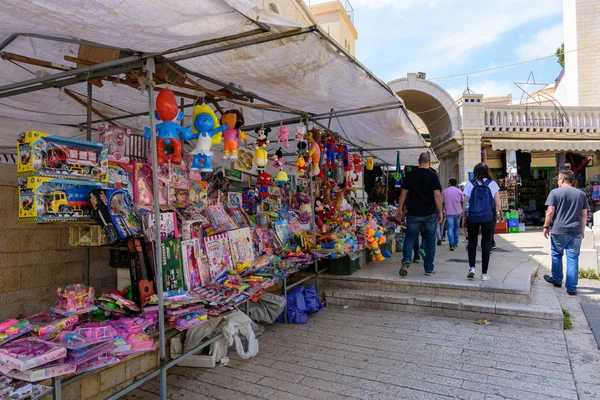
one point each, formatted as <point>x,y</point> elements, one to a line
<point>261,156</point>
<point>314,153</point>
<point>168,132</point>
<point>284,132</point>
<point>330,149</point>
<point>206,127</point>
<point>234,120</point>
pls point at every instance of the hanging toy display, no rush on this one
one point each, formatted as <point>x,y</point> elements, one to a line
<point>314,153</point>
<point>278,157</point>
<point>168,133</point>
<point>208,132</point>
<point>330,152</point>
<point>398,174</point>
<point>233,120</point>
<point>264,183</point>
<point>301,146</point>
<point>356,162</point>
<point>342,153</point>
<point>300,165</point>
<point>261,155</point>
<point>370,164</point>
<point>284,132</point>
<point>281,178</point>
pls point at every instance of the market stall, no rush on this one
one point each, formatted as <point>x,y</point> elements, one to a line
<point>203,222</point>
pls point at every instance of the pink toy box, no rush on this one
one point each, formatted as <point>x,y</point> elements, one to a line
<point>28,353</point>
<point>48,326</point>
<point>116,141</point>
<point>37,374</point>
<point>12,329</point>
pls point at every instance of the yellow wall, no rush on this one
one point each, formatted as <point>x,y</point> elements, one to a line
<point>334,20</point>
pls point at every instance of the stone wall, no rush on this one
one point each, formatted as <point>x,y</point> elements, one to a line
<point>35,259</point>
<point>588,34</point>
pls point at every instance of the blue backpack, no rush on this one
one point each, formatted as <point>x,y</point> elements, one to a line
<point>481,203</point>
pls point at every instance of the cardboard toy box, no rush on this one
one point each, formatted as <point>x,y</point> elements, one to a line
<point>44,199</point>
<point>43,154</point>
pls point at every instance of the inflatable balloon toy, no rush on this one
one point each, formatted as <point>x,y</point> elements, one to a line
<point>284,132</point>
<point>233,120</point>
<point>168,132</point>
<point>261,155</point>
<point>314,153</point>
<point>207,130</point>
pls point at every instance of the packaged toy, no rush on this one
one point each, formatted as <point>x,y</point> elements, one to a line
<point>168,132</point>
<point>207,132</point>
<point>240,243</point>
<point>141,270</point>
<point>38,373</point>
<point>42,154</point>
<point>219,218</point>
<point>173,278</point>
<point>116,212</point>
<point>120,176</point>
<point>86,354</point>
<point>143,186</point>
<point>74,299</point>
<point>18,390</point>
<point>100,362</point>
<point>192,229</point>
<point>55,200</point>
<point>27,353</point>
<point>12,329</point>
<point>116,141</point>
<point>234,199</point>
<point>239,216</point>
<point>168,226</point>
<point>233,120</point>
<point>216,294</point>
<point>198,196</point>
<point>47,326</point>
<point>195,265</point>
<point>218,254</point>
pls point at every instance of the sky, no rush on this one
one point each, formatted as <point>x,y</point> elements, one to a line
<point>449,37</point>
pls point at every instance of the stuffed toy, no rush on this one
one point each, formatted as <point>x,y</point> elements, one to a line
<point>278,157</point>
<point>356,162</point>
<point>314,153</point>
<point>261,155</point>
<point>264,182</point>
<point>168,133</point>
<point>233,120</point>
<point>370,164</point>
<point>330,152</point>
<point>262,136</point>
<point>281,179</point>
<point>284,132</point>
<point>300,165</point>
<point>342,152</point>
<point>373,238</point>
<point>206,127</point>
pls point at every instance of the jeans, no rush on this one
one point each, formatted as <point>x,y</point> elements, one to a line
<point>453,222</point>
<point>487,233</point>
<point>413,228</point>
<point>558,245</point>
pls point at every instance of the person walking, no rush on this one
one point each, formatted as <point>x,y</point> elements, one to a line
<point>483,196</point>
<point>565,224</point>
<point>423,209</point>
<point>452,199</point>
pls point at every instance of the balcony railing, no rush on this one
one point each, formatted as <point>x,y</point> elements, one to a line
<point>345,3</point>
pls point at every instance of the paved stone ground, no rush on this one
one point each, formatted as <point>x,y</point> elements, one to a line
<point>376,354</point>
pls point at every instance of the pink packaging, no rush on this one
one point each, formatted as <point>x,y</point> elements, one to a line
<point>37,374</point>
<point>47,326</point>
<point>27,353</point>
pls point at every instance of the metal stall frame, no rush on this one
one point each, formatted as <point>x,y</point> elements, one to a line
<point>147,63</point>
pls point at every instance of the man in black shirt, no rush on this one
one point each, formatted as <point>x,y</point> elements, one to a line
<point>424,209</point>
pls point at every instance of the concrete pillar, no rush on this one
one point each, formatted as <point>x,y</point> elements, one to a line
<point>470,153</point>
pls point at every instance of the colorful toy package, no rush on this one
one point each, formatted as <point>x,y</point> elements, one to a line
<point>195,264</point>
<point>219,218</point>
<point>168,225</point>
<point>239,216</point>
<point>192,229</point>
<point>27,353</point>
<point>173,277</point>
<point>240,243</point>
<point>120,176</point>
<point>12,329</point>
<point>100,362</point>
<point>74,299</point>
<point>116,212</point>
<point>141,269</point>
<point>47,326</point>
<point>116,141</point>
<point>19,390</point>
<point>55,200</point>
<point>218,254</point>
<point>42,154</point>
<point>39,373</point>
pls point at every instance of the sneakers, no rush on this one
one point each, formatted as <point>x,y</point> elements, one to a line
<point>493,247</point>
<point>484,277</point>
<point>549,279</point>
<point>471,273</point>
<point>452,248</point>
<point>417,260</point>
<point>429,273</point>
<point>573,293</point>
<point>439,242</point>
<point>422,254</point>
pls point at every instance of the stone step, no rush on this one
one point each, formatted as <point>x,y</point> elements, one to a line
<point>542,312</point>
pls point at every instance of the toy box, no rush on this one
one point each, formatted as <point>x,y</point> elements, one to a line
<point>168,226</point>
<point>42,154</point>
<point>37,374</point>
<point>74,299</point>
<point>120,176</point>
<point>47,326</point>
<point>116,141</point>
<point>195,264</point>
<point>192,229</point>
<point>55,200</point>
<point>141,269</point>
<point>12,329</point>
<point>27,353</point>
<point>218,254</point>
<point>173,278</point>
<point>116,212</point>
<point>240,242</point>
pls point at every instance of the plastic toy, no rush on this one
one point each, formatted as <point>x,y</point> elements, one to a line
<point>330,150</point>
<point>373,240</point>
<point>356,162</point>
<point>74,299</point>
<point>42,154</point>
<point>55,200</point>
<point>208,132</point>
<point>143,185</point>
<point>27,353</point>
<point>284,132</point>
<point>116,212</point>
<point>261,155</point>
<point>141,270</point>
<point>314,137</point>
<point>12,329</point>
<point>47,326</point>
<point>300,165</point>
<point>35,374</point>
<point>168,132</point>
<point>300,132</point>
<point>264,183</point>
<point>233,120</point>
<point>120,176</point>
<point>116,141</point>
<point>370,164</point>
<point>281,179</point>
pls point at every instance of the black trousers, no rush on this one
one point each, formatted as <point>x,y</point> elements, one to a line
<point>487,235</point>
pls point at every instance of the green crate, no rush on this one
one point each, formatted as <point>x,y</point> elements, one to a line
<point>340,266</point>
<point>512,215</point>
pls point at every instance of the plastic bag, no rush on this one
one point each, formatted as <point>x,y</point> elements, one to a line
<point>296,307</point>
<point>313,303</point>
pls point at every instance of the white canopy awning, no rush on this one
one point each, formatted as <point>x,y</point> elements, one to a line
<point>302,72</point>
<point>546,145</point>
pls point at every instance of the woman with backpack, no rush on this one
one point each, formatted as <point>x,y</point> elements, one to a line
<point>483,196</point>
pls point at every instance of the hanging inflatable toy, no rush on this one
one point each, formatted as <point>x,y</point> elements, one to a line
<point>208,132</point>
<point>168,132</point>
<point>314,153</point>
<point>261,155</point>
<point>233,120</point>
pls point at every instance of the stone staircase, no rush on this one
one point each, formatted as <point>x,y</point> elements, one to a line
<point>517,297</point>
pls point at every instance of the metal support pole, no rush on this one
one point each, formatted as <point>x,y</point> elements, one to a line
<point>150,69</point>
<point>387,183</point>
<point>57,388</point>
<point>317,275</point>
<point>88,137</point>
<point>285,315</point>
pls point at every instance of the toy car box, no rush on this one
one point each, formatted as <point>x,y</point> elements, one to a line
<point>43,199</point>
<point>43,154</point>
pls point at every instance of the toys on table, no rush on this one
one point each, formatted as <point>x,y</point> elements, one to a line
<point>168,132</point>
<point>55,200</point>
<point>264,183</point>
<point>208,132</point>
<point>219,218</point>
<point>374,239</point>
<point>17,390</point>
<point>27,353</point>
<point>261,155</point>
<point>314,153</point>
<point>74,299</point>
<point>97,363</point>
<point>233,120</point>
<point>36,374</point>
<point>116,212</point>
<point>116,141</point>
<point>12,329</point>
<point>47,326</point>
<point>42,154</point>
